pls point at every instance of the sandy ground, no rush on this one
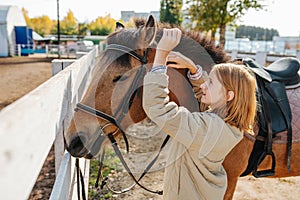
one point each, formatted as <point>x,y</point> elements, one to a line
<point>18,76</point>
<point>21,75</point>
<point>248,188</point>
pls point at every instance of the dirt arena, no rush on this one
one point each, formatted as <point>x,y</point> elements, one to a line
<point>20,75</point>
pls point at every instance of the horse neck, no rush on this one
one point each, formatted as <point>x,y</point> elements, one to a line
<point>181,90</point>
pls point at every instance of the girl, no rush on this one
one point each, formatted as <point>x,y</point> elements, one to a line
<point>200,141</point>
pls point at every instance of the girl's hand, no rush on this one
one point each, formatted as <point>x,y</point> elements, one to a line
<point>179,61</point>
<point>169,40</point>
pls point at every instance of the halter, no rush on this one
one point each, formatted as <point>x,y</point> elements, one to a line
<point>124,107</point>
<point>122,110</point>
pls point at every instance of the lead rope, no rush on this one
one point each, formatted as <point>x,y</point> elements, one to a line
<point>117,151</point>
<point>104,180</point>
<point>79,175</point>
<point>100,169</point>
<point>80,180</point>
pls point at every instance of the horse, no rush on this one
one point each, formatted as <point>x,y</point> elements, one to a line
<point>113,100</point>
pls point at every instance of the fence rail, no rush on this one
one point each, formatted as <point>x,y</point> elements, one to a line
<point>270,47</point>
<point>64,50</point>
<point>30,126</point>
<point>260,57</point>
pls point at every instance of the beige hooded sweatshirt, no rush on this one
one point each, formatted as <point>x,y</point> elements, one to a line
<point>200,142</point>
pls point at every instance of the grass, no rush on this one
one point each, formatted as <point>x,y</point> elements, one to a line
<point>111,164</point>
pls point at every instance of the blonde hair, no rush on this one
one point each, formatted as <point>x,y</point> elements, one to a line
<point>241,110</point>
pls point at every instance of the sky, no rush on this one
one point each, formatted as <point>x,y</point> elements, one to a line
<point>280,14</point>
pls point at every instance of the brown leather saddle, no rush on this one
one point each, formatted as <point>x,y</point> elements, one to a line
<point>274,112</point>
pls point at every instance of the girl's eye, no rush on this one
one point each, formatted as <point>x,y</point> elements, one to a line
<point>209,81</point>
<point>120,78</point>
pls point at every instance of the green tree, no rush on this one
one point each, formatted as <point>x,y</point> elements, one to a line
<point>209,15</point>
<point>82,28</point>
<point>102,25</point>
<point>25,14</point>
<point>68,26</point>
<point>256,33</point>
<point>42,25</point>
<point>170,11</point>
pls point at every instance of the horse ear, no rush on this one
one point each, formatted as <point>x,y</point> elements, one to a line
<point>119,26</point>
<point>151,22</point>
<point>150,29</point>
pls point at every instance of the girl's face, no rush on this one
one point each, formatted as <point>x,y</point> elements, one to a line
<point>214,93</point>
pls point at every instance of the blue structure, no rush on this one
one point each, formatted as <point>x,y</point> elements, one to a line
<point>10,16</point>
<point>24,39</point>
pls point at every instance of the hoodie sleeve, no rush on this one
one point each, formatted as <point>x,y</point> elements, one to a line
<point>175,120</point>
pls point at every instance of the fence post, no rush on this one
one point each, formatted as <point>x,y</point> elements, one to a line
<point>57,66</point>
<point>261,57</point>
<point>298,54</point>
<point>19,50</point>
<point>60,64</point>
<point>234,54</point>
<point>47,50</point>
<point>79,54</point>
<point>102,46</point>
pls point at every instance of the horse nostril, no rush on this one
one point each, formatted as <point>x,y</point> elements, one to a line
<point>77,146</point>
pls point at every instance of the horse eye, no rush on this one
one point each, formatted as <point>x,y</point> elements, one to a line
<point>120,78</point>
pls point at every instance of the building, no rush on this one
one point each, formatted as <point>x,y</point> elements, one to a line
<point>10,17</point>
<point>126,15</point>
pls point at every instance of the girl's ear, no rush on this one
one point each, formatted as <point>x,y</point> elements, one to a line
<point>230,95</point>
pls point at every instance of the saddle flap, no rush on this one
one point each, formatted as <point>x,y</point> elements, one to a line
<point>257,69</point>
<point>279,108</point>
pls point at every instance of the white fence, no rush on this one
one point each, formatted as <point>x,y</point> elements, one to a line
<point>260,57</point>
<point>271,47</point>
<point>30,126</point>
<point>49,49</point>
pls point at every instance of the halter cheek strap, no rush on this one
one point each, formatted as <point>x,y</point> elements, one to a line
<point>127,50</point>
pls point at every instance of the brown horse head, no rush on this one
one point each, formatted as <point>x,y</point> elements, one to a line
<point>117,80</point>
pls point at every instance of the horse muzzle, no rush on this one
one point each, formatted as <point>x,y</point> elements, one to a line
<point>79,145</point>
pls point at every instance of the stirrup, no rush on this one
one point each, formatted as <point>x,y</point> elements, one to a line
<point>267,172</point>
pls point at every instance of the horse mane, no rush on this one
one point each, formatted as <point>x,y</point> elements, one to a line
<point>120,36</point>
<point>215,51</point>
